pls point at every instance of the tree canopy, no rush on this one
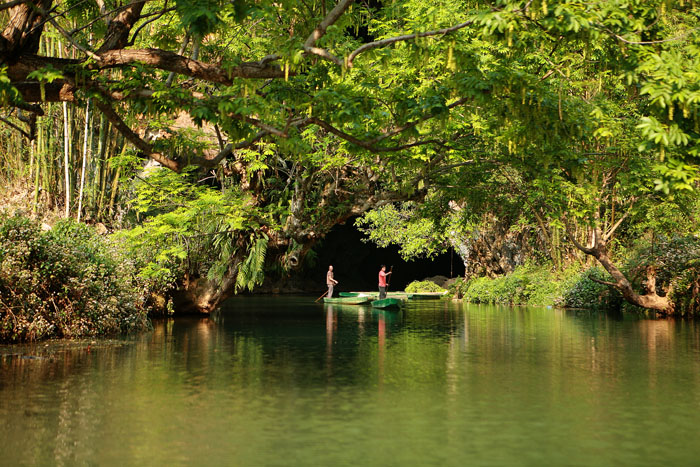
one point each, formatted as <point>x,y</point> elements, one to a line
<point>586,113</point>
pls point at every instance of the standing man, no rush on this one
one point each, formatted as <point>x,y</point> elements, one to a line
<point>330,282</point>
<point>382,282</point>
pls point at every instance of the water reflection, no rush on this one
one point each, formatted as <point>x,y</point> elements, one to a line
<point>269,380</point>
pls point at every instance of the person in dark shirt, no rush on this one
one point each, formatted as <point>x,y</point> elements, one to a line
<point>330,281</point>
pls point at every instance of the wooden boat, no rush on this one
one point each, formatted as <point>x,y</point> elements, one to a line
<point>425,296</point>
<point>387,303</point>
<point>347,300</point>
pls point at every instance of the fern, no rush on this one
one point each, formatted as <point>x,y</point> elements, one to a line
<point>250,271</point>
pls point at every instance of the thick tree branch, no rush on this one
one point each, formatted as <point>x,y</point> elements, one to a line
<point>32,108</point>
<point>117,36</point>
<point>58,91</point>
<point>330,19</point>
<point>323,53</point>
<point>22,33</point>
<point>137,141</point>
<point>11,4</point>
<point>407,37</point>
<point>104,13</point>
<point>170,61</point>
<point>15,127</point>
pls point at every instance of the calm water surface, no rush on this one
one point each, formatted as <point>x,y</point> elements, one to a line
<point>283,381</point>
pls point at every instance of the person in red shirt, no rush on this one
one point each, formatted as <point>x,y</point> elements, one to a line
<point>382,282</point>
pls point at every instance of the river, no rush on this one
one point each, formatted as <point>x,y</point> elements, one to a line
<point>283,381</point>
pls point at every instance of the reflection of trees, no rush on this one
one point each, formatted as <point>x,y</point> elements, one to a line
<point>470,361</point>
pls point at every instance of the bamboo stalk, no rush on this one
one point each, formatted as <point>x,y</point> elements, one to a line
<point>66,147</point>
<point>85,157</point>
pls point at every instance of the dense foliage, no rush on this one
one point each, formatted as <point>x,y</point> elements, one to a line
<point>65,282</point>
<point>522,130</point>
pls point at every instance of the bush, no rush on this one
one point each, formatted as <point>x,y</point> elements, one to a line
<point>67,282</point>
<point>527,285</point>
<point>537,285</point>
<point>423,286</point>
<point>459,287</point>
<point>582,292</point>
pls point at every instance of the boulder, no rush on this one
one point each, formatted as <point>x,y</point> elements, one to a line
<point>439,280</point>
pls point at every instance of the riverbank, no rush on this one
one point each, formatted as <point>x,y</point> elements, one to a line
<point>581,286</point>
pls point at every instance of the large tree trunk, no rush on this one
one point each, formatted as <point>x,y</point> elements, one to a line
<point>23,31</point>
<point>650,300</point>
<point>201,295</point>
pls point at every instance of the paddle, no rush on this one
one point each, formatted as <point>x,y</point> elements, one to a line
<point>322,295</point>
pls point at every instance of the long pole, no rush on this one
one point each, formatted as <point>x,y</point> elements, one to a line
<point>322,295</point>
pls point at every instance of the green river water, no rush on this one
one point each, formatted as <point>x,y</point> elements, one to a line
<point>280,381</point>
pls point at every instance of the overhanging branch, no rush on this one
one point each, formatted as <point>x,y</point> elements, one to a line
<point>407,37</point>
<point>329,20</point>
<point>15,127</point>
<point>129,134</point>
<point>170,61</point>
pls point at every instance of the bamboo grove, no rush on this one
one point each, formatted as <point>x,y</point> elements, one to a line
<point>67,158</point>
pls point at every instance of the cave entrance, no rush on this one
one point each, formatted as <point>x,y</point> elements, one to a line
<point>357,263</point>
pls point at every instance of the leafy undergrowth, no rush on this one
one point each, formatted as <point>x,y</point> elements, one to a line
<point>65,282</point>
<point>423,286</point>
<point>538,285</point>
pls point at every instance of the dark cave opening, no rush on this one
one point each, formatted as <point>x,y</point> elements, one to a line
<point>356,263</point>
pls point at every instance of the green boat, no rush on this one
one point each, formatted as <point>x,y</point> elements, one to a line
<point>358,294</point>
<point>387,303</point>
<point>348,300</point>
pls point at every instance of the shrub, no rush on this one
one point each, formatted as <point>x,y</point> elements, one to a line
<point>582,292</point>
<point>458,288</point>
<point>67,282</point>
<point>423,286</point>
<point>527,285</point>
